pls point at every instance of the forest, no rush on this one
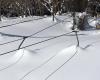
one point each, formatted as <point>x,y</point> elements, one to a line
<point>15,8</point>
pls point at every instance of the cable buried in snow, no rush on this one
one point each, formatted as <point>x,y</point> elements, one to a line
<point>47,61</point>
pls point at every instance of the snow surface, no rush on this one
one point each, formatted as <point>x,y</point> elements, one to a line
<point>56,59</point>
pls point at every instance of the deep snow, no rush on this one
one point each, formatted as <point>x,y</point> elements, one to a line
<point>45,61</point>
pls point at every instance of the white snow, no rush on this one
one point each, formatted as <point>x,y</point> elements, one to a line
<point>56,59</point>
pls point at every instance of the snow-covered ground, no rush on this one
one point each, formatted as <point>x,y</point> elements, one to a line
<point>55,57</point>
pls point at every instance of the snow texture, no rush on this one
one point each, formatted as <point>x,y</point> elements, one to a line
<point>56,59</point>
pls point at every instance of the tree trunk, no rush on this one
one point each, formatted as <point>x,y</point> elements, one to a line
<point>0,14</point>
<point>0,10</point>
<point>74,21</point>
<point>83,23</point>
<point>53,17</point>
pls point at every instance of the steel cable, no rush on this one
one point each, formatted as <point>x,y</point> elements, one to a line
<point>21,22</point>
<point>38,66</point>
<point>28,36</point>
<point>61,65</point>
<point>36,43</point>
<point>14,62</point>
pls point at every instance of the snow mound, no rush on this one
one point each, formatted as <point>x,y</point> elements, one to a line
<point>45,70</point>
<point>9,60</point>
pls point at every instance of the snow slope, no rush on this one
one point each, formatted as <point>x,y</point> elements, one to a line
<point>56,59</point>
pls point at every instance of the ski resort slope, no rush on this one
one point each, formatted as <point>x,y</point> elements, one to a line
<point>57,58</point>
